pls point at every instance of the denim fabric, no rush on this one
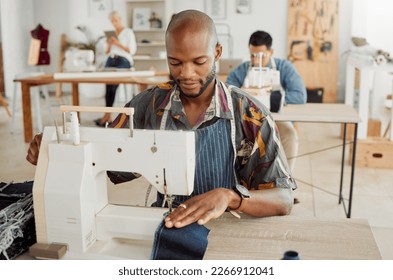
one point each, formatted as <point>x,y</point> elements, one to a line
<point>117,62</point>
<point>214,169</point>
<point>187,243</point>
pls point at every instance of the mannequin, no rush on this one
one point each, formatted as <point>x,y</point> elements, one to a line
<point>42,34</point>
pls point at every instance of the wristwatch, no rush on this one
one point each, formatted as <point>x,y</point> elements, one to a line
<point>244,196</point>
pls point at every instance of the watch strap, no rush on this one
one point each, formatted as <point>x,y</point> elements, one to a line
<point>243,204</point>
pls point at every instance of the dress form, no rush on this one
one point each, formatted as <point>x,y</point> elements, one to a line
<point>40,33</point>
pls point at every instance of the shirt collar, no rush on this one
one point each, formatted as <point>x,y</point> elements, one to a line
<point>218,106</point>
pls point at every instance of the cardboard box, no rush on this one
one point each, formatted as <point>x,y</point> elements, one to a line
<point>373,152</point>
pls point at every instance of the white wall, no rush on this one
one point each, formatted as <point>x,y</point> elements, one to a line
<point>373,20</point>
<point>16,22</point>
<point>265,16</point>
<point>344,43</point>
<point>271,16</point>
<point>18,17</point>
<point>60,16</point>
<point>380,27</point>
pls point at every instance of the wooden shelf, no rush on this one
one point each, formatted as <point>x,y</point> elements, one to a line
<point>151,53</point>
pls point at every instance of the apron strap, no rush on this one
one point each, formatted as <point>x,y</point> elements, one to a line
<point>227,91</point>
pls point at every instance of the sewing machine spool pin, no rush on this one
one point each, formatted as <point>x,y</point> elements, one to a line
<point>126,110</point>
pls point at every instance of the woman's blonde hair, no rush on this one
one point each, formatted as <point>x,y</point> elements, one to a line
<point>114,14</point>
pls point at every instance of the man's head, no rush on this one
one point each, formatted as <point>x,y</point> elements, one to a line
<point>192,49</point>
<point>260,46</point>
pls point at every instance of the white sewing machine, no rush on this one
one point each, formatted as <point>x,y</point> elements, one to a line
<point>77,60</point>
<point>261,81</point>
<point>262,77</point>
<point>70,187</point>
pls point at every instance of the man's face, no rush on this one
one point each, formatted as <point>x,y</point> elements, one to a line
<point>256,52</point>
<point>191,58</point>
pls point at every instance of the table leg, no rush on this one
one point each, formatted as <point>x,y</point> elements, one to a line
<point>352,169</point>
<point>342,164</point>
<point>26,109</point>
<point>75,96</point>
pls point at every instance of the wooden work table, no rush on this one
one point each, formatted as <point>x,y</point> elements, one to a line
<point>268,238</point>
<point>75,80</point>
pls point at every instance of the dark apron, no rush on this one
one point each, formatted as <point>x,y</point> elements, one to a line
<point>214,161</point>
<point>214,169</point>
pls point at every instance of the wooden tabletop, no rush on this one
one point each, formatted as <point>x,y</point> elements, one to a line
<point>318,112</point>
<point>268,238</point>
<point>121,79</point>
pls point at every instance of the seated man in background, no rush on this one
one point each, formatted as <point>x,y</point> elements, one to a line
<point>240,164</point>
<point>260,45</point>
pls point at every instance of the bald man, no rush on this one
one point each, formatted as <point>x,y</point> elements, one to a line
<point>240,163</point>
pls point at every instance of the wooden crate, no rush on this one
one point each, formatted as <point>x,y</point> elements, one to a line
<point>373,129</point>
<point>373,152</point>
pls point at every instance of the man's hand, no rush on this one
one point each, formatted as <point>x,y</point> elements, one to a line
<point>202,208</point>
<point>34,149</point>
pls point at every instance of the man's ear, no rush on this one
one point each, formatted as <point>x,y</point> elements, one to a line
<point>271,51</point>
<point>218,52</point>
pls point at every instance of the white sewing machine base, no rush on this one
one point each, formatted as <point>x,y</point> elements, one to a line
<point>117,221</point>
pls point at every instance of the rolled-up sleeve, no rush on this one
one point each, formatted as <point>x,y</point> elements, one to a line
<point>261,162</point>
<point>295,90</point>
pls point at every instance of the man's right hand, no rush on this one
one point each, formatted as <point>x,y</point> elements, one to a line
<point>34,149</point>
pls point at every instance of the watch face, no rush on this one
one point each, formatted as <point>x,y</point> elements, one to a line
<point>244,192</point>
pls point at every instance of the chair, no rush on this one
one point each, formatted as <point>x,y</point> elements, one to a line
<point>35,97</point>
<point>4,103</point>
<point>124,93</point>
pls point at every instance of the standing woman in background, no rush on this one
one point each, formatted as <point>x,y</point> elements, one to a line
<point>119,50</point>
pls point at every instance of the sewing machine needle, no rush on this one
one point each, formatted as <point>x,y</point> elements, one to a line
<point>168,198</point>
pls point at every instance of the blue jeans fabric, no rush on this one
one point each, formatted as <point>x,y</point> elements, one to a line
<point>117,62</point>
<point>214,169</point>
<point>187,243</point>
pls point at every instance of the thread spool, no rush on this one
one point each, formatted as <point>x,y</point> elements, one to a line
<point>291,255</point>
<point>74,128</point>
